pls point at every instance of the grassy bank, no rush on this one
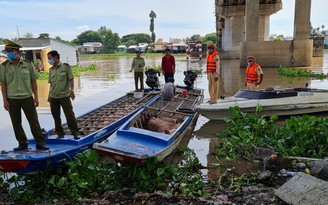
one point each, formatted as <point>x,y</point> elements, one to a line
<point>76,71</point>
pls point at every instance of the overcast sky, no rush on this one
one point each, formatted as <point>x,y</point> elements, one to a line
<point>175,18</point>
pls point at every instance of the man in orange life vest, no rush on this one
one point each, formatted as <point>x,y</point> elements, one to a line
<point>254,74</point>
<point>213,73</point>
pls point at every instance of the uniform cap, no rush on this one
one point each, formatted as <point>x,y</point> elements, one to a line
<point>251,58</point>
<point>11,45</point>
<point>211,45</point>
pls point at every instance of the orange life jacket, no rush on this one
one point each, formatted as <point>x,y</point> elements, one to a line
<point>211,63</point>
<point>251,75</point>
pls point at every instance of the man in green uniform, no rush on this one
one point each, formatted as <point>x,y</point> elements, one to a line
<point>18,83</point>
<point>61,81</point>
<point>138,65</point>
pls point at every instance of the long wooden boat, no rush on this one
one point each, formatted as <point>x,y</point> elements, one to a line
<point>95,125</point>
<point>148,133</point>
<point>287,101</point>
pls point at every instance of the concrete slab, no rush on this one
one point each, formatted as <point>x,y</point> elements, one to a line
<point>304,189</point>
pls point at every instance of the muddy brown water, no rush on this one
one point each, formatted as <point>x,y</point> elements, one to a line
<point>112,79</point>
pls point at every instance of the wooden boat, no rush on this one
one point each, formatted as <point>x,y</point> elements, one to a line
<point>95,125</point>
<point>287,101</point>
<point>138,139</point>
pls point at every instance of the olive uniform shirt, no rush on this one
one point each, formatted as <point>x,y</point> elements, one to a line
<point>59,80</point>
<point>18,78</point>
<point>136,62</point>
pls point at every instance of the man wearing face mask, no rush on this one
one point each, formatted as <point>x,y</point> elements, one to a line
<point>213,73</point>
<point>61,92</point>
<point>254,74</point>
<point>18,85</point>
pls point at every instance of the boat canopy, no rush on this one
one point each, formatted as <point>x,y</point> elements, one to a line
<point>33,48</point>
<point>251,94</point>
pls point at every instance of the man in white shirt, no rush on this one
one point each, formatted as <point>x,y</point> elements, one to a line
<point>169,89</point>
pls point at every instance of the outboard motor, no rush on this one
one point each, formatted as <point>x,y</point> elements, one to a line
<point>190,77</point>
<point>152,80</point>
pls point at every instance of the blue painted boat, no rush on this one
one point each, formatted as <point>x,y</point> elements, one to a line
<point>154,131</point>
<point>95,125</point>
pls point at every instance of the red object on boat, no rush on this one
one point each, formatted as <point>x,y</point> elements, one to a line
<point>184,93</point>
<point>13,165</point>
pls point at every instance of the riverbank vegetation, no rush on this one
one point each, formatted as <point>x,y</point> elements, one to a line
<point>304,136</point>
<point>87,176</point>
<point>296,72</point>
<point>44,75</point>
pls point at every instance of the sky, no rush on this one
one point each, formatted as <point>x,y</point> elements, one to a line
<point>174,18</point>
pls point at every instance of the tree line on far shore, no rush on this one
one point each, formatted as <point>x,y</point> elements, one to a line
<point>110,40</point>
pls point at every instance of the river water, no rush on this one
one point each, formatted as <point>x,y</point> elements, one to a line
<point>112,79</point>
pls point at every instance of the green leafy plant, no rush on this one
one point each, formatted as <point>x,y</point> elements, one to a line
<point>305,136</point>
<point>244,132</point>
<point>197,71</point>
<point>229,180</point>
<point>296,72</point>
<point>187,179</point>
<point>76,71</point>
<point>3,183</point>
<point>87,176</point>
<point>158,68</point>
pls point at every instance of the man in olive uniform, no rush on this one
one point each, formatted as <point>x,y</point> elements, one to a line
<point>18,85</point>
<point>61,92</point>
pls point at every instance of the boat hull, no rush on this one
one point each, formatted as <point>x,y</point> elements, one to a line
<point>135,144</point>
<point>61,150</point>
<point>304,102</point>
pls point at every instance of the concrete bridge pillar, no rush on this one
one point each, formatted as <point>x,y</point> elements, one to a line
<point>302,19</point>
<point>252,20</point>
<point>264,28</point>
<point>302,48</point>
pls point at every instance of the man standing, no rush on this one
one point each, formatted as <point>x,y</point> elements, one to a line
<point>138,65</point>
<point>213,73</point>
<point>61,92</point>
<point>18,83</point>
<point>168,65</point>
<point>254,74</point>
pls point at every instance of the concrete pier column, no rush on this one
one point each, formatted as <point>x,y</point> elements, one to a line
<point>252,20</point>
<point>302,19</point>
<point>264,28</point>
<point>238,28</point>
<point>227,35</point>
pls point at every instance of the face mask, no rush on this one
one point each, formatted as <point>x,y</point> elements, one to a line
<point>250,63</point>
<point>210,51</point>
<point>51,61</point>
<point>11,56</point>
